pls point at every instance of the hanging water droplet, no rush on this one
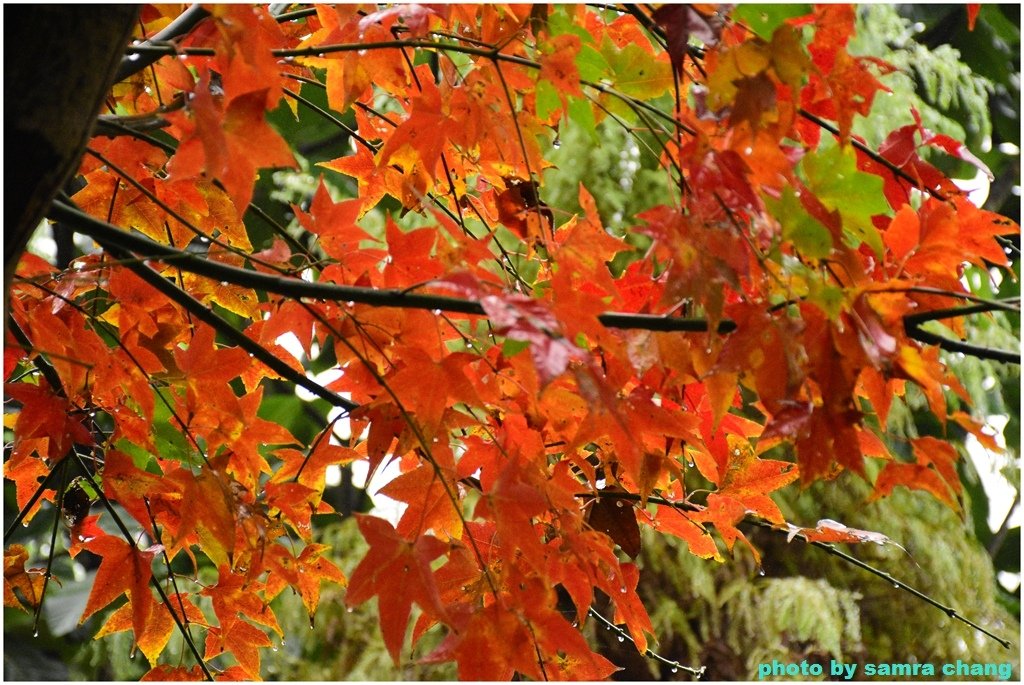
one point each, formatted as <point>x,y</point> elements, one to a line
<point>435,312</point>
<point>760,571</point>
<point>350,303</point>
<point>24,524</point>
<point>623,589</point>
<point>621,639</point>
<point>282,642</point>
<point>675,669</point>
<point>619,503</point>
<point>36,633</point>
<point>273,648</point>
<point>203,239</point>
<point>349,610</point>
<point>896,585</point>
<point>131,654</point>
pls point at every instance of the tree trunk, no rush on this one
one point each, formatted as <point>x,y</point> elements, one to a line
<point>59,64</point>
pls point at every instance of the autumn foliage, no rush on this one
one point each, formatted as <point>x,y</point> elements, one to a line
<point>546,387</point>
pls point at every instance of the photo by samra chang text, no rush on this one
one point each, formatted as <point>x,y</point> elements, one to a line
<point>839,670</point>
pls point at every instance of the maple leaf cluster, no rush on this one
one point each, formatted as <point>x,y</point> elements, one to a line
<point>533,438</point>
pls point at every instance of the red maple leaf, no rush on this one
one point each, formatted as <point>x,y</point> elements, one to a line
<point>398,573</point>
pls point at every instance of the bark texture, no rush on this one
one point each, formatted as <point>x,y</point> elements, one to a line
<point>59,63</point>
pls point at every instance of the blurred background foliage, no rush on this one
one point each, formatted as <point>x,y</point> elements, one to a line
<point>801,603</point>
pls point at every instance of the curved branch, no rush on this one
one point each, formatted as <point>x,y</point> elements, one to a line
<point>207,316</point>
<point>382,297</point>
<point>912,324</point>
<point>831,549</point>
<point>292,287</point>
<point>138,60</point>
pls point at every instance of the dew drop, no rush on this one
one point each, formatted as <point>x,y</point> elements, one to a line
<point>203,239</point>
<point>760,571</point>
<point>36,633</point>
<point>223,284</point>
<point>273,648</point>
<point>350,303</point>
<point>618,503</point>
<point>282,642</point>
<point>24,524</point>
<point>621,639</point>
<point>675,670</point>
<point>623,589</point>
<point>349,610</point>
<point>896,585</point>
<point>748,151</point>
<point>436,312</point>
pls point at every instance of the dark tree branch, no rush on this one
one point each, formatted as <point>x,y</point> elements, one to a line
<point>291,287</point>
<point>912,324</point>
<point>207,316</point>
<point>137,61</point>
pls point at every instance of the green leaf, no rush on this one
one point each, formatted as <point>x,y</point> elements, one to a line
<point>833,177</point>
<point>591,64</point>
<point>636,72</point>
<point>510,347</point>
<point>764,19</point>
<point>804,231</point>
<point>547,99</point>
<point>582,114</point>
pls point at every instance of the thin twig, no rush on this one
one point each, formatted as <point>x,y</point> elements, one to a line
<point>831,549</point>
<point>152,579</point>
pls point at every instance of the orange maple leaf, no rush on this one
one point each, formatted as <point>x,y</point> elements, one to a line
<point>28,583</point>
<point>124,569</point>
